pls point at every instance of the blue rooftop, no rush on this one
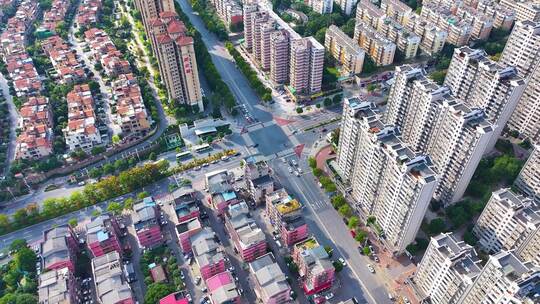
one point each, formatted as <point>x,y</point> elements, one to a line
<point>227,196</point>
<point>150,266</point>
<point>149,201</point>
<point>102,236</point>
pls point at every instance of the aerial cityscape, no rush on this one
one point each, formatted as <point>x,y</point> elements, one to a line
<point>269,151</point>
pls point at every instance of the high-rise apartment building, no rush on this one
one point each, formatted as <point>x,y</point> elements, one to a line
<point>150,9</point>
<point>508,222</point>
<point>388,180</point>
<point>528,180</point>
<point>307,62</point>
<point>433,122</point>
<point>522,50</point>
<point>176,59</point>
<point>379,48</point>
<point>524,9</point>
<point>357,114</point>
<point>368,13</point>
<point>321,6</point>
<point>432,37</point>
<point>504,279</point>
<point>483,83</point>
<point>346,5</point>
<point>406,42</point>
<point>344,50</point>
<point>277,48</point>
<point>448,267</point>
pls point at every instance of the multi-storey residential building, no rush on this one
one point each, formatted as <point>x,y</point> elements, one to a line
<point>508,222</point>
<point>346,5</point>
<point>36,139</point>
<point>321,6</point>
<point>248,239</point>
<point>524,9</point>
<point>433,122</point>
<point>185,230</point>
<point>222,289</point>
<point>68,69</point>
<point>258,179</point>
<point>406,42</point>
<point>179,297</point>
<point>459,30</point>
<point>504,279</point>
<point>503,18</point>
<point>58,286</point>
<point>306,64</point>
<point>483,83</point>
<point>276,47</point>
<point>207,253</point>
<point>447,268</point>
<point>131,116</point>
<point>369,13</point>
<point>356,113</point>
<point>59,248</point>
<point>285,214</point>
<point>54,15</point>
<point>344,50</point>
<point>151,9</point>
<point>271,285</point>
<point>229,11</point>
<point>522,50</point>
<point>397,10</point>
<point>81,131</point>
<point>432,37</point>
<point>103,235</point>
<point>175,54</point>
<point>220,191</point>
<point>379,48</point>
<point>110,283</point>
<point>314,266</point>
<point>145,222</point>
<point>528,180</point>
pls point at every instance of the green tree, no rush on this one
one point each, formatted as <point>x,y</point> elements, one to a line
<point>438,76</point>
<point>317,172</point>
<point>73,222</point>
<point>25,260</point>
<point>299,110</point>
<point>114,208</point>
<point>142,195</point>
<point>366,250</point>
<point>156,291</point>
<point>371,87</point>
<point>96,213</point>
<point>337,266</point>
<point>327,102</point>
<point>345,210</point>
<point>436,226</point>
<point>312,162</point>
<point>115,139</point>
<point>17,245</point>
<point>95,173</point>
<point>152,156</point>
<point>337,98</point>
<point>128,204</point>
<point>338,201</point>
<point>353,222</point>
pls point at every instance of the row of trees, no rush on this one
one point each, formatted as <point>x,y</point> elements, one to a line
<point>210,18</point>
<point>108,188</point>
<point>264,93</point>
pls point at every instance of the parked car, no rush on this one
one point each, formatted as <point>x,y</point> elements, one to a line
<point>371,269</point>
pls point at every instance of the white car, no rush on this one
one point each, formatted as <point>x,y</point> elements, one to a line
<point>371,269</point>
<point>296,173</point>
<point>406,300</point>
<point>290,170</point>
<point>197,280</point>
<point>342,261</point>
<point>329,296</point>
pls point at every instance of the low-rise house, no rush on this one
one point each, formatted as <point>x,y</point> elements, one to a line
<point>248,239</point>
<point>145,222</point>
<point>81,131</point>
<point>36,138</point>
<point>184,204</point>
<point>104,51</point>
<point>220,191</point>
<point>157,272</point>
<point>110,282</point>
<point>207,253</point>
<point>179,297</point>
<point>185,231</point>
<point>103,235</point>
<point>64,60</point>
<point>271,286</point>
<point>87,13</point>
<point>222,289</point>
<point>285,214</point>
<point>59,248</point>
<point>314,266</point>
<point>58,286</point>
